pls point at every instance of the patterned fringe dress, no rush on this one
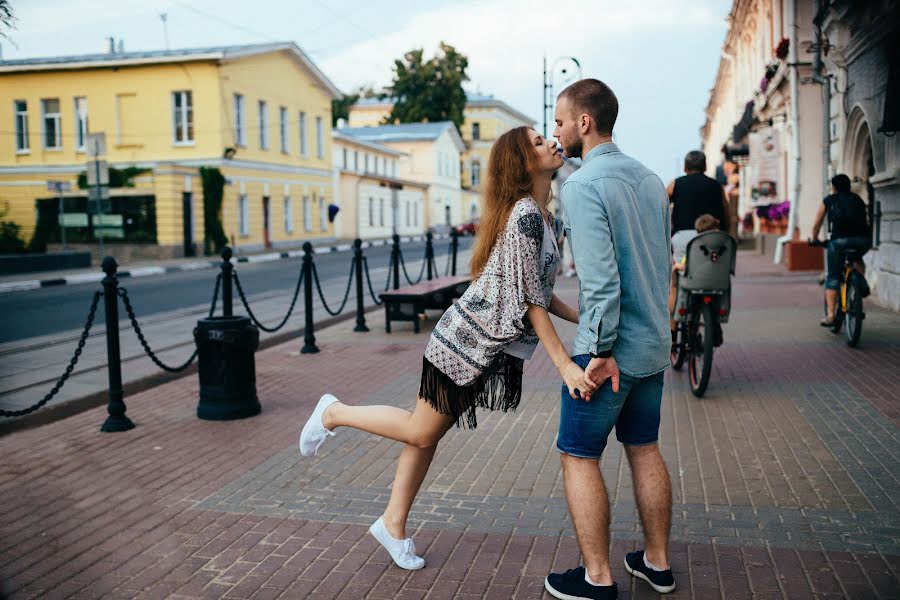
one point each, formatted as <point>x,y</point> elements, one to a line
<point>477,349</point>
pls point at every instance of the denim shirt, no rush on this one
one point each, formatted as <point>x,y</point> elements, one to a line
<point>617,221</point>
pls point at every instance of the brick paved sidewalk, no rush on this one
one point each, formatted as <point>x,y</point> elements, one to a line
<point>785,478</point>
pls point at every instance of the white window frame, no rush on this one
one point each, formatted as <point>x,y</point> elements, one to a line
<point>21,127</point>
<point>288,208</point>
<point>323,214</point>
<point>356,161</point>
<point>366,170</point>
<point>307,213</point>
<point>81,123</point>
<point>240,123</point>
<point>407,214</point>
<point>186,114</point>
<point>345,158</point>
<point>320,138</point>
<point>243,215</point>
<point>304,143</point>
<point>476,130</point>
<point>371,211</point>
<point>262,108</point>
<point>381,212</point>
<point>440,168</point>
<point>56,118</point>
<point>283,128</point>
<point>476,172</point>
<point>416,214</point>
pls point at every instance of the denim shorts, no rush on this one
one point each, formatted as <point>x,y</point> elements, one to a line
<point>835,260</point>
<point>634,411</point>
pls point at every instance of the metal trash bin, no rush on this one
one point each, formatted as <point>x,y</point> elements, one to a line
<point>227,368</point>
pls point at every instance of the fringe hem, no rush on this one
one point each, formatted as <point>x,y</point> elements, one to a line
<point>498,388</point>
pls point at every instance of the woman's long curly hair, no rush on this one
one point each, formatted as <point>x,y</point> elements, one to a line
<point>509,178</point>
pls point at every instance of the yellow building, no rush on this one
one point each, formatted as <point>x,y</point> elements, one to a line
<point>431,157</point>
<point>374,201</point>
<point>261,114</point>
<point>486,119</point>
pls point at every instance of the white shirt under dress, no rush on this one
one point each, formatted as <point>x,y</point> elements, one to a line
<point>476,352</point>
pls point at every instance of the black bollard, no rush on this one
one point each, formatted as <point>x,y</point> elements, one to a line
<point>395,261</point>
<point>227,268</point>
<point>309,338</point>
<point>360,309</point>
<point>116,421</point>
<point>454,246</point>
<point>429,255</point>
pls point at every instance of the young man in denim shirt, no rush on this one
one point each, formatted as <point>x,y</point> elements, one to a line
<point>617,221</point>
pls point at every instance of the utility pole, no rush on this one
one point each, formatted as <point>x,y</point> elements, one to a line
<point>164,17</point>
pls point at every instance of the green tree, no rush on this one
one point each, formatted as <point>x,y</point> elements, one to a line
<point>429,89</point>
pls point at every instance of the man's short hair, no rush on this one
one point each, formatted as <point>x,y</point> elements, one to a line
<point>695,161</point>
<point>841,183</point>
<point>595,98</point>
<point>706,222</point>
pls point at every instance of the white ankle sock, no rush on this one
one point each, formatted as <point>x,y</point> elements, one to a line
<point>650,565</point>
<point>591,581</point>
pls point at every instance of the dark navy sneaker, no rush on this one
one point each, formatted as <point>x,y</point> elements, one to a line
<point>571,585</point>
<point>661,581</point>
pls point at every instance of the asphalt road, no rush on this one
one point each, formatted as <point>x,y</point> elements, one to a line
<point>52,310</point>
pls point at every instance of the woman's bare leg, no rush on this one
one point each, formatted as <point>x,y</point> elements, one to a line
<point>420,430</point>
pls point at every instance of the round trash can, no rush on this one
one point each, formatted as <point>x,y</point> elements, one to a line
<point>227,368</point>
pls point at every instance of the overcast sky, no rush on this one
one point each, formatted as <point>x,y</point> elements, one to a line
<point>659,56</point>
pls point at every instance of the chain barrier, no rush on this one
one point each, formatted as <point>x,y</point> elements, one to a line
<point>123,293</point>
<point>406,275</point>
<point>390,268</point>
<point>65,376</point>
<point>237,284</point>
<point>334,313</point>
<point>369,281</point>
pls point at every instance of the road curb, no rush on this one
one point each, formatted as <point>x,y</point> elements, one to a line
<point>31,284</point>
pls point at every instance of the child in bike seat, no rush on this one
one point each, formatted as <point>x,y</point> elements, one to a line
<point>705,222</point>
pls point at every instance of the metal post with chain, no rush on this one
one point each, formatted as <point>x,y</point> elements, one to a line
<point>360,305</point>
<point>309,337</point>
<point>116,421</point>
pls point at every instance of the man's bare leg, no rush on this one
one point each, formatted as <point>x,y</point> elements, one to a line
<point>589,508</point>
<point>653,493</point>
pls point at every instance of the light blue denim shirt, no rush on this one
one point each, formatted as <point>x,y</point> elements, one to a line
<point>617,220</point>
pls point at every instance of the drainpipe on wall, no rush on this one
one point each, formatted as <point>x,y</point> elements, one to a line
<point>795,134</point>
<point>821,77</point>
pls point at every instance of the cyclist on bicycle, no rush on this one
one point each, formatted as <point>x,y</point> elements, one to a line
<point>849,228</point>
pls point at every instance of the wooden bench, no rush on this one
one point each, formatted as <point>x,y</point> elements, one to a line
<point>406,304</point>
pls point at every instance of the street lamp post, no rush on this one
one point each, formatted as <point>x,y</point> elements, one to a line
<point>548,81</point>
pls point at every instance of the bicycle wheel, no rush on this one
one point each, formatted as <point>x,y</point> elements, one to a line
<point>676,356</point>
<point>700,360</point>
<point>855,314</point>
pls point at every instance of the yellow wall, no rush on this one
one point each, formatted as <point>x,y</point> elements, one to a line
<point>145,89</point>
<point>367,116</point>
<point>133,106</point>
<point>279,80</point>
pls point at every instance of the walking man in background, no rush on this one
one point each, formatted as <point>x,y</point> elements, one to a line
<point>617,222</point>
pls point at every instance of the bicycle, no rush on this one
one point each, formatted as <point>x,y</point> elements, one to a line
<point>703,303</point>
<point>853,289</point>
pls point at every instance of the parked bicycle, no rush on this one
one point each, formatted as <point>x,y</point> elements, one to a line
<point>850,297</point>
<point>703,303</point>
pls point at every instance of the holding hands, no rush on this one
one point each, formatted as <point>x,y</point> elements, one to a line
<point>580,387</point>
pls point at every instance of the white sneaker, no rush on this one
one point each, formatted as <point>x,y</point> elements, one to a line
<point>314,433</point>
<point>402,551</point>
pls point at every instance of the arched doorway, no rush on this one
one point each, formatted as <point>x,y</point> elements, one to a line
<point>859,163</point>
